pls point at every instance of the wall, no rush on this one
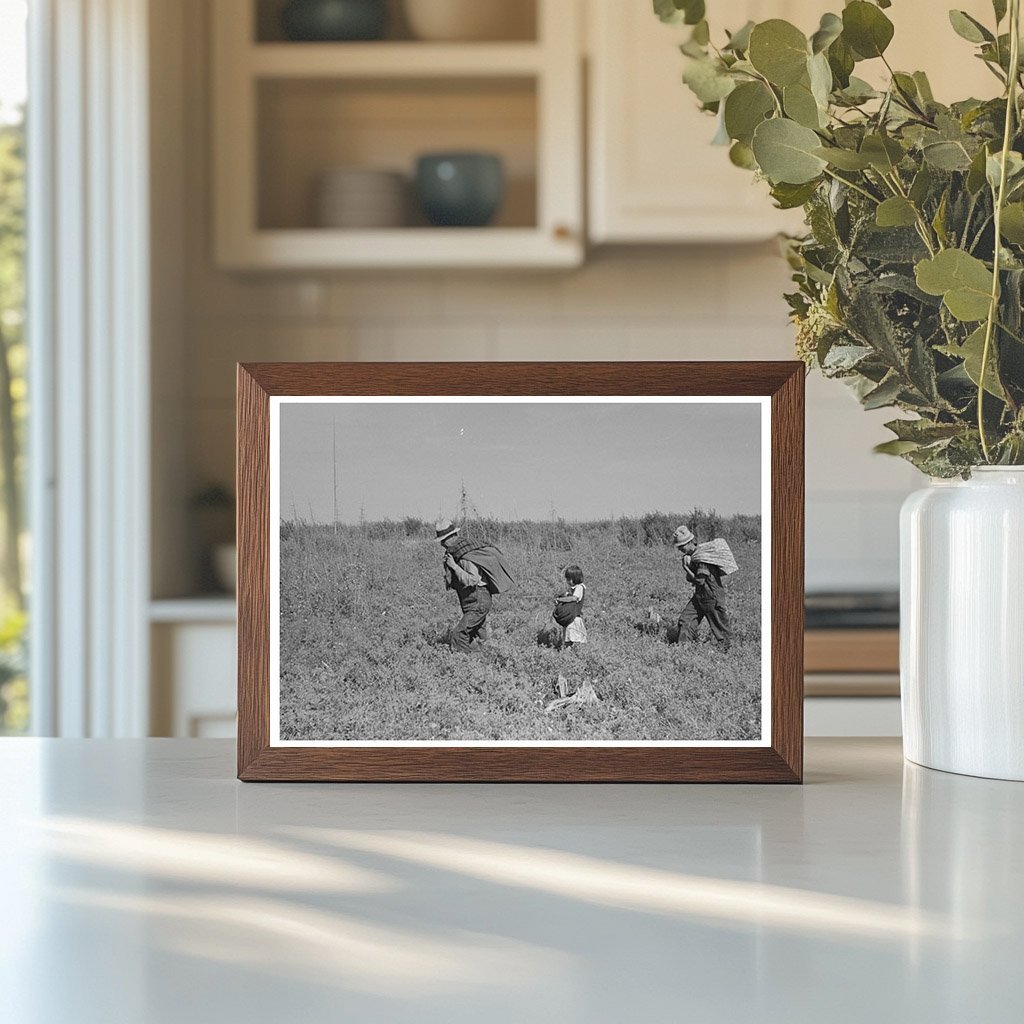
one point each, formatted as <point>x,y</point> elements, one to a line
<point>655,303</point>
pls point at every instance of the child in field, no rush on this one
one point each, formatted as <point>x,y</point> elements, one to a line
<point>705,566</point>
<point>569,608</point>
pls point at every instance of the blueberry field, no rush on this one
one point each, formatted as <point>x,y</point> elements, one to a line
<point>365,618</point>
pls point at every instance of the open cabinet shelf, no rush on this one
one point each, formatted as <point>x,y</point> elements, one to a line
<point>287,114</point>
<point>394,60</point>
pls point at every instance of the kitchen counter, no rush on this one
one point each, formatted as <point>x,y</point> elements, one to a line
<point>142,884</point>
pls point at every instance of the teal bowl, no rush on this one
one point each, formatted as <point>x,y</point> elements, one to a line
<point>460,190</point>
<point>334,21</point>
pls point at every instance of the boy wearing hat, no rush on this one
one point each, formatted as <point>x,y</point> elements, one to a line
<point>474,572</point>
<point>708,601</point>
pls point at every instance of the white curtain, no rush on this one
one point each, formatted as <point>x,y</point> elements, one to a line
<point>88,317</point>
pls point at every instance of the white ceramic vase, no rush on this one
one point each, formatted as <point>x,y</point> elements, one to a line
<point>962,624</point>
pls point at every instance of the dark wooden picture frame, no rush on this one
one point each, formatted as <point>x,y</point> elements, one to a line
<point>779,761</point>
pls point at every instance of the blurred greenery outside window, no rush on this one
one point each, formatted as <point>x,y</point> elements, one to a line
<point>14,548</point>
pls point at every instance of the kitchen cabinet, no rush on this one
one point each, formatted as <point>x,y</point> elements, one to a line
<point>287,113</point>
<point>653,175</point>
<point>192,648</point>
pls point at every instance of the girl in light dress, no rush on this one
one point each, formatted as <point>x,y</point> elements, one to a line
<point>575,631</point>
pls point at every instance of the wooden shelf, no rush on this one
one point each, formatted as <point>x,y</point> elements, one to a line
<point>401,247</point>
<point>393,60</point>
<point>206,608</point>
<point>852,650</point>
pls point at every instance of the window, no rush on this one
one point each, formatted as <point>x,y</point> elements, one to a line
<point>14,548</point>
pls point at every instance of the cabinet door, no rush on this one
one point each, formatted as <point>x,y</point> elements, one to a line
<point>654,177</point>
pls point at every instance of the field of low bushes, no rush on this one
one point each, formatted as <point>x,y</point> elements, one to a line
<point>364,621</point>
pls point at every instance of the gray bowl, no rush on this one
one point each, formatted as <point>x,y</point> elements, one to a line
<point>461,190</point>
<point>334,20</point>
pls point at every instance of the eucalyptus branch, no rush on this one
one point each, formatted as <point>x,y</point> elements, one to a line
<point>1000,199</point>
<point>853,185</point>
<point>906,296</point>
<point>981,231</point>
<point>923,227</point>
<point>771,89</point>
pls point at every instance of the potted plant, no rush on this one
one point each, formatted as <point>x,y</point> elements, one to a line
<point>908,289</point>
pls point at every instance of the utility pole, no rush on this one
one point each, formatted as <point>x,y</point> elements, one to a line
<point>335,462</point>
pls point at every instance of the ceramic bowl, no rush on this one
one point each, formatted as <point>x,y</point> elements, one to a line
<point>471,20</point>
<point>334,20</point>
<point>358,197</point>
<point>460,189</point>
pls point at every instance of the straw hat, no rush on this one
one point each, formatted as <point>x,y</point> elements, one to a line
<point>445,528</point>
<point>683,536</point>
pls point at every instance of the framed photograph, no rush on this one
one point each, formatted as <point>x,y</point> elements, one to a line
<point>552,572</point>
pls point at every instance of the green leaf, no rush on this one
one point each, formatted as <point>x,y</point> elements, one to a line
<point>741,155</point>
<point>971,352</point>
<point>858,91</point>
<point>676,12</point>
<point>896,212</point>
<point>800,105</point>
<point>841,60</point>
<point>778,50</point>
<point>866,29</point>
<point>708,80</point>
<point>963,281</point>
<point>921,185</point>
<point>887,393</point>
<point>746,107</point>
<point>820,76</point>
<point>939,220</point>
<point>789,197</point>
<point>1014,169</point>
<point>739,41</point>
<point>830,29</point>
<point>924,87</point>
<point>923,431</point>
<point>969,28</point>
<point>694,10</point>
<point>976,174</point>
<point>947,156</point>
<point>844,159</point>
<point>1012,225</point>
<point>883,153</point>
<point>895,447</point>
<point>906,88</point>
<point>668,12</point>
<point>785,152</point>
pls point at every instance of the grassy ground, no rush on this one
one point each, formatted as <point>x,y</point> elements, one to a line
<point>363,652</point>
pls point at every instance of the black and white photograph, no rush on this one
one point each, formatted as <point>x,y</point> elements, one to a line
<point>460,571</point>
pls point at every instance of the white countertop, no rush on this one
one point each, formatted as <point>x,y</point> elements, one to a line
<point>143,885</point>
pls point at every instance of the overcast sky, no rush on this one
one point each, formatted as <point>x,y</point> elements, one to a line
<point>583,460</point>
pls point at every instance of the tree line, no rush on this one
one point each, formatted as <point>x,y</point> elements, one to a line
<point>555,534</point>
